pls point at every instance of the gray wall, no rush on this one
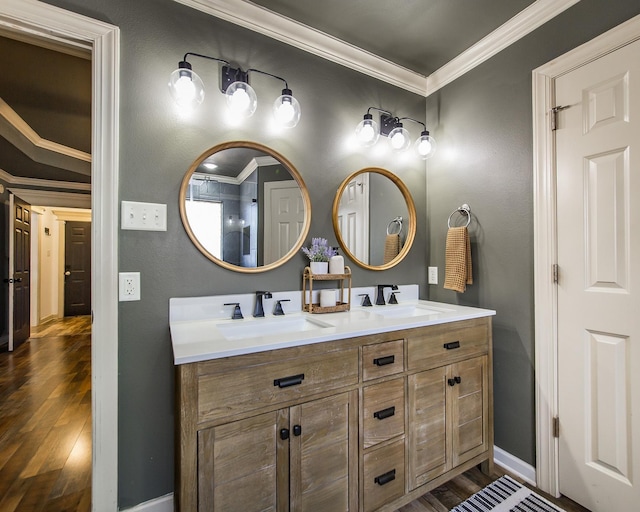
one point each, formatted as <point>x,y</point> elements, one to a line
<point>483,125</point>
<point>157,147</point>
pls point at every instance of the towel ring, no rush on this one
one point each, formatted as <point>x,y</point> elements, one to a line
<point>398,222</point>
<point>465,209</point>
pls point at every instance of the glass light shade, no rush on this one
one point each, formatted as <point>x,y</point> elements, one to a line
<point>286,110</point>
<point>425,145</point>
<point>186,88</point>
<point>241,99</point>
<point>367,131</point>
<point>399,138</point>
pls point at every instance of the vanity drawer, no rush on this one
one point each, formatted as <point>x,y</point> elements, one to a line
<point>383,475</point>
<point>382,359</point>
<point>383,411</point>
<point>437,345</point>
<point>243,383</point>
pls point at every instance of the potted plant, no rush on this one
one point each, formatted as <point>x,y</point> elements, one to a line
<point>319,253</point>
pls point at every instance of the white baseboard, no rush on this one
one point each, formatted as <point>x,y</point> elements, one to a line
<point>161,504</point>
<point>503,459</point>
<point>514,465</point>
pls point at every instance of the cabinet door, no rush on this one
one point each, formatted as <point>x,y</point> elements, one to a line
<point>429,455</point>
<point>243,465</point>
<point>323,459</point>
<point>469,404</point>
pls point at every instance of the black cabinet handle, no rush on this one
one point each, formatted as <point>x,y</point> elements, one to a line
<point>285,382</point>
<point>385,413</point>
<point>284,434</point>
<point>451,345</point>
<point>297,430</point>
<point>454,381</point>
<point>385,478</point>
<point>382,361</point>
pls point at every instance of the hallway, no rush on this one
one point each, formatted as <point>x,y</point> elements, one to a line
<point>45,420</point>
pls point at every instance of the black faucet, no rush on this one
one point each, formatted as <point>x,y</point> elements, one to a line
<point>259,309</point>
<point>237,312</point>
<point>277,310</point>
<point>380,296</point>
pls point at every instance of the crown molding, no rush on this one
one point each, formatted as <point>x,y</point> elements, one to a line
<point>18,132</point>
<point>52,198</point>
<point>523,23</point>
<point>266,22</point>
<point>286,30</point>
<point>10,179</point>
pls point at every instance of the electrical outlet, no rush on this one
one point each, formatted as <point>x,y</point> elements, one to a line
<point>129,286</point>
<point>143,216</point>
<point>433,275</point>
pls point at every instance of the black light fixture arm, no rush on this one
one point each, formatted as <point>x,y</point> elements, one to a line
<point>184,59</point>
<point>286,86</point>
<point>414,120</point>
<point>386,112</point>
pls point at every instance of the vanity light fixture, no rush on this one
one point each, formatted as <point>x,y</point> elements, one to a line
<point>187,89</point>
<point>368,132</point>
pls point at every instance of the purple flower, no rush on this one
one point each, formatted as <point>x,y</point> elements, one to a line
<point>319,250</point>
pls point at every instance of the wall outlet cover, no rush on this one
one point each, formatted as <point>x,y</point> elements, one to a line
<point>129,286</point>
<point>433,275</point>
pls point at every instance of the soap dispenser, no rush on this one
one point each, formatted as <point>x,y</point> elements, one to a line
<point>336,264</point>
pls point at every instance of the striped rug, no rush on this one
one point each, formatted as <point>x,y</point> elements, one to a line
<point>506,495</point>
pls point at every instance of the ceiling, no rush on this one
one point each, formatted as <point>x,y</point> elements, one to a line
<point>51,90</point>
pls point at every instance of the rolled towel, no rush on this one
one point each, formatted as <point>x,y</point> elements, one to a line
<point>391,247</point>
<point>458,271</point>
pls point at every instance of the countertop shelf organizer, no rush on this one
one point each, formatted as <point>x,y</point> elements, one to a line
<point>344,304</point>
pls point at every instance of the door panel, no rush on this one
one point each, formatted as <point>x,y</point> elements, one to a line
<point>353,217</point>
<point>77,282</point>
<point>19,272</point>
<point>284,218</point>
<point>598,183</point>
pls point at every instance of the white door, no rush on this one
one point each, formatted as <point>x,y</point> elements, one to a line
<point>598,221</point>
<point>284,218</point>
<point>353,217</point>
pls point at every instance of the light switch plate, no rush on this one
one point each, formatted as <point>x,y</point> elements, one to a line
<point>143,216</point>
<point>433,275</point>
<point>129,286</point>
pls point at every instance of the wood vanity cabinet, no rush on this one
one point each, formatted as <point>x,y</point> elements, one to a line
<point>362,424</point>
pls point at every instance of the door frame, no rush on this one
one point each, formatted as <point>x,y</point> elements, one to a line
<point>545,241</point>
<point>31,17</point>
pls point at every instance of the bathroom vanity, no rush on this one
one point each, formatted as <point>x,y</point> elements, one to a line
<point>354,411</point>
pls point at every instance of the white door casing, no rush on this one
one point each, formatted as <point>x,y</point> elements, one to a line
<point>353,216</point>
<point>546,242</point>
<point>284,213</point>
<point>37,19</point>
<point>598,183</point>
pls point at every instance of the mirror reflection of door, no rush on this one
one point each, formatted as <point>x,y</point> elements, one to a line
<point>283,218</point>
<point>77,269</point>
<point>19,271</point>
<point>353,216</point>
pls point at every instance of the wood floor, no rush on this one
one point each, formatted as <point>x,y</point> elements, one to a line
<point>45,420</point>
<point>454,492</point>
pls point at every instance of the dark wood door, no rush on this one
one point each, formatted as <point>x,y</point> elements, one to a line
<point>21,271</point>
<point>77,269</point>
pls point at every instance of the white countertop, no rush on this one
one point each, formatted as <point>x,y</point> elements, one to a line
<point>198,338</point>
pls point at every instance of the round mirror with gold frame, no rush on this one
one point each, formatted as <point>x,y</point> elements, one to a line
<point>374,218</point>
<point>231,205</point>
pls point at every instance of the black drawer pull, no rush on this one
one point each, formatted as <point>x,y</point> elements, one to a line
<point>297,430</point>
<point>385,413</point>
<point>451,345</point>
<point>285,382</point>
<point>454,381</point>
<point>284,434</point>
<point>382,361</point>
<point>386,478</point>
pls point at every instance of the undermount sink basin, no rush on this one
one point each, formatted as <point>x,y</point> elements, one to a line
<point>342,318</point>
<point>267,326</point>
<point>407,311</point>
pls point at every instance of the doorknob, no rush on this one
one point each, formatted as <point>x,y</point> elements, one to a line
<point>67,273</point>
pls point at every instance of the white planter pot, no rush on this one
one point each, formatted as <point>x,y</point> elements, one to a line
<point>319,267</point>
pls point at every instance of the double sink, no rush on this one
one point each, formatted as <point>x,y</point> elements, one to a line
<point>238,330</point>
